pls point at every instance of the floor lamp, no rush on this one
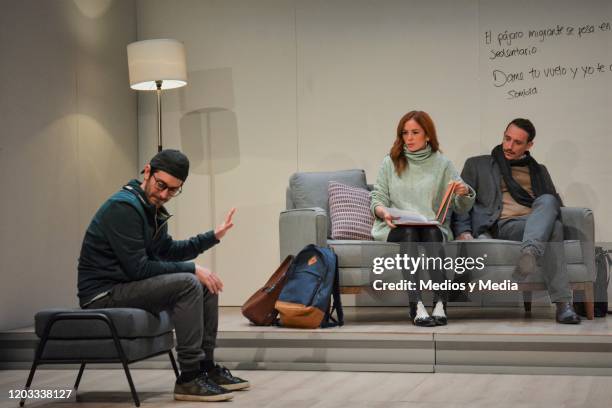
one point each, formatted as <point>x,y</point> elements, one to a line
<point>157,65</point>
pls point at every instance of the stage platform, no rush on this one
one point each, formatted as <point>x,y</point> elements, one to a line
<point>500,340</point>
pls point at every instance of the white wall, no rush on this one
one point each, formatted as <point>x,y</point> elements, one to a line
<point>68,139</point>
<point>279,86</point>
<point>241,62</point>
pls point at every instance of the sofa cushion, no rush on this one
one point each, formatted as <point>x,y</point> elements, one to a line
<point>355,260</point>
<point>311,189</point>
<point>501,252</point>
<point>498,273</point>
<point>354,276</point>
<point>353,253</point>
<point>97,349</point>
<point>129,322</point>
<point>361,254</point>
<point>349,211</point>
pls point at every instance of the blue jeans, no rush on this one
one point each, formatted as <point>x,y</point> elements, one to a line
<point>542,232</point>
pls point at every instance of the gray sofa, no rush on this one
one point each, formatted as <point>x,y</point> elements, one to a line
<point>305,221</point>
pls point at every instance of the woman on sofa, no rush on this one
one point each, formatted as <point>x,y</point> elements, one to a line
<point>414,177</point>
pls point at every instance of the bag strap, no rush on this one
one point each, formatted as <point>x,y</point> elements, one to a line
<point>607,261</point>
<point>328,320</point>
<point>603,255</point>
<point>337,299</point>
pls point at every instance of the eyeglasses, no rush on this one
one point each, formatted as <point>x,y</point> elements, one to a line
<point>161,186</point>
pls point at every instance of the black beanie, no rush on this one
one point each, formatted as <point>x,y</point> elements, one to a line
<point>172,162</point>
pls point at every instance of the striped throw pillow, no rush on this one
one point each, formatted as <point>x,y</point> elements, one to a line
<point>349,211</point>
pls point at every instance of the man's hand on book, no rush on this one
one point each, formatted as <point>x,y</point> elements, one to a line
<point>209,279</point>
<point>227,224</point>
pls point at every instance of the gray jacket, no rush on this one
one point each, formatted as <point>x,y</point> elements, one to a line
<point>483,174</point>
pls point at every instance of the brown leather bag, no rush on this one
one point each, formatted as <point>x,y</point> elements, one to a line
<point>259,309</point>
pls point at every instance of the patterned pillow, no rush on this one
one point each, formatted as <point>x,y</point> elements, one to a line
<point>349,210</point>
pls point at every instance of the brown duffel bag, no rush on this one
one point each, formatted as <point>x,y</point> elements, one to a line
<point>259,309</point>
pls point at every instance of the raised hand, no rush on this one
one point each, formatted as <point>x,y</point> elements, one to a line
<point>226,225</point>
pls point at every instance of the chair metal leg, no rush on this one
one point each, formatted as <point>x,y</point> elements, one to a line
<point>527,296</point>
<point>173,361</point>
<point>129,378</point>
<point>124,361</point>
<point>29,382</point>
<point>78,379</point>
<point>37,356</point>
<point>589,304</point>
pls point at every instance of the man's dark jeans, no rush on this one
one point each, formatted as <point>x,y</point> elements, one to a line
<point>193,308</point>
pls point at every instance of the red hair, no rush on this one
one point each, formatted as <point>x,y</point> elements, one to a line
<point>397,150</point>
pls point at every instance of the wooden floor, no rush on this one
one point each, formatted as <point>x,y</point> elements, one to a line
<point>374,339</point>
<point>299,389</point>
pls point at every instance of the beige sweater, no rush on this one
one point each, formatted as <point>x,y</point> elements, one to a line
<point>511,208</point>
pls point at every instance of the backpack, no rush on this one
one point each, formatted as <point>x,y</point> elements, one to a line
<point>312,281</point>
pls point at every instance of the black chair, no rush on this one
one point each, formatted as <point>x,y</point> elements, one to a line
<point>121,335</point>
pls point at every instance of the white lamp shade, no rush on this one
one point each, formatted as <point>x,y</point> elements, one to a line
<point>157,60</point>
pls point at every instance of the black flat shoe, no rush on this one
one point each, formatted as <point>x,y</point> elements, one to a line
<point>424,321</point>
<point>440,320</point>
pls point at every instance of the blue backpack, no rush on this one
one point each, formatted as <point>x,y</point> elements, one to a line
<point>312,281</point>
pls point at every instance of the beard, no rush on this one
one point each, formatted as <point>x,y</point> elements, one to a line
<point>152,197</point>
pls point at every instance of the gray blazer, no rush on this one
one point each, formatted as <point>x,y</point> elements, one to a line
<point>483,174</point>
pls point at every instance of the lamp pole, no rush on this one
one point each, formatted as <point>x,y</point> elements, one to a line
<point>159,116</point>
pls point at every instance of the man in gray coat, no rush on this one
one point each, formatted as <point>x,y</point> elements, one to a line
<point>516,200</point>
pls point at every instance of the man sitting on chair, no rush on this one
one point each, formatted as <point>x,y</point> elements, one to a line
<point>129,260</point>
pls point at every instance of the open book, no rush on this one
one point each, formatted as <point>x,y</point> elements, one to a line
<point>416,219</point>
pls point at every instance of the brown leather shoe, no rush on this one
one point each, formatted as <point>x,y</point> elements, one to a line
<point>566,314</point>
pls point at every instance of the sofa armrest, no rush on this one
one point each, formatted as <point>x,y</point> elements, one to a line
<point>300,227</point>
<point>579,223</point>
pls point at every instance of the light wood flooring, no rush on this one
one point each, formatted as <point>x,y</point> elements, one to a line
<point>299,389</point>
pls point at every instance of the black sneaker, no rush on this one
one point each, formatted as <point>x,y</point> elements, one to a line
<point>200,389</point>
<point>223,377</point>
